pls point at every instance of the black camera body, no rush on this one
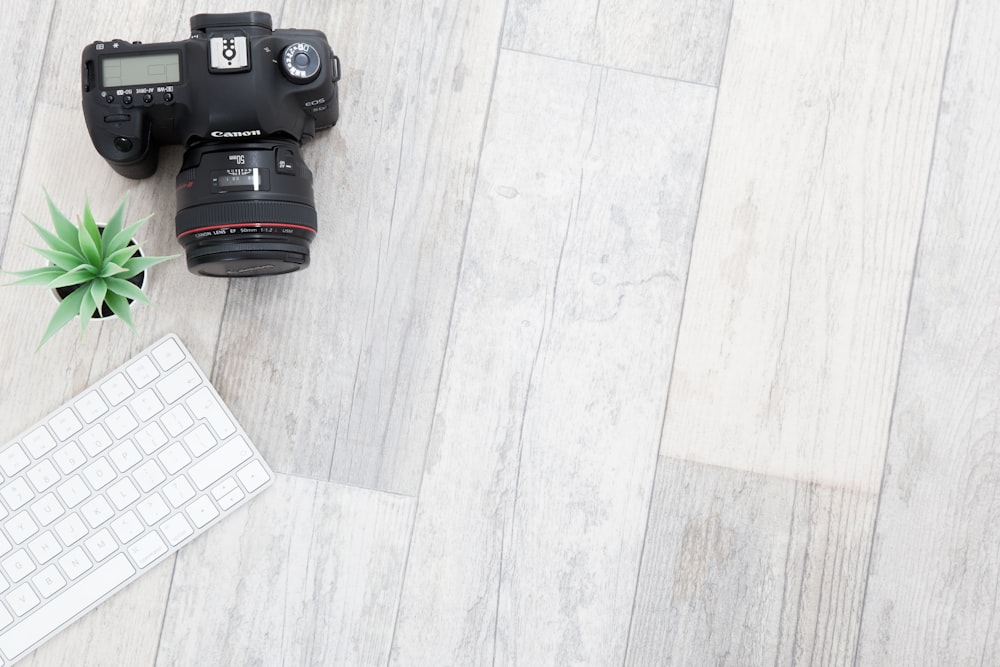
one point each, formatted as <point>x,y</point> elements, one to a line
<point>242,98</point>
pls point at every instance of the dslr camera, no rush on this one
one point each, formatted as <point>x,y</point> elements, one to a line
<point>242,98</point>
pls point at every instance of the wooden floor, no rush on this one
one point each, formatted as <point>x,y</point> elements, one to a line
<point>636,333</point>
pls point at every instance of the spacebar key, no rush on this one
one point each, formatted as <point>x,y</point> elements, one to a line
<point>61,609</point>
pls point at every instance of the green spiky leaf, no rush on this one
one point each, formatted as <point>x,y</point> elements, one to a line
<point>40,276</point>
<point>126,289</point>
<point>67,310</point>
<point>114,226</point>
<point>119,306</point>
<point>122,238</point>
<point>137,265</point>
<point>65,229</point>
<point>80,276</point>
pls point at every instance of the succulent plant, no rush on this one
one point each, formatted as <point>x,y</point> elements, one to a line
<point>98,262</point>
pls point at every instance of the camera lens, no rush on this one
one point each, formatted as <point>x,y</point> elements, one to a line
<point>245,209</point>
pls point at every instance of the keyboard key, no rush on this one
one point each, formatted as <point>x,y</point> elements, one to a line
<point>142,371</point>
<point>178,383</point>
<point>64,424</point>
<point>168,354</point>
<point>127,527</point>
<point>178,492</point>
<point>73,491</point>
<point>213,466</point>
<point>91,406</point>
<point>5,617</point>
<point>97,511</point>
<point>146,405</point>
<point>116,389</point>
<point>20,527</point>
<point>82,595</point>
<point>121,422</point>
<point>123,493</point>
<point>71,529</point>
<point>205,406</point>
<point>13,460</point>
<point>176,528</point>
<point>17,493</point>
<point>48,581</point>
<point>253,476</point>
<point>44,548</point>
<point>224,488</point>
<point>149,476</point>
<point>96,440</point>
<point>99,473</point>
<point>22,599</point>
<point>47,509</point>
<point>200,440</point>
<point>176,420</point>
<point>147,549</point>
<point>151,438</point>
<point>75,563</point>
<point>69,458</point>
<point>5,546</point>
<point>39,442</point>
<point>43,476</point>
<point>124,456</point>
<point>202,511</point>
<point>100,545</point>
<point>152,509</point>
<point>18,565</point>
<point>231,498</point>
<point>174,458</point>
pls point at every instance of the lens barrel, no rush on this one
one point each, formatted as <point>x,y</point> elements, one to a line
<point>245,209</point>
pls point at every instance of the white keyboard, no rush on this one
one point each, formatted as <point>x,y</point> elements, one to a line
<point>110,484</point>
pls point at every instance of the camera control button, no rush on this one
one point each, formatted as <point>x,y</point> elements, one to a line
<point>127,99</point>
<point>147,98</point>
<point>284,161</point>
<point>168,97</point>
<point>123,144</point>
<point>109,98</point>
<point>300,62</point>
<point>117,118</point>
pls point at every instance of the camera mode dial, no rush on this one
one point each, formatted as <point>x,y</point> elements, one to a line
<point>300,62</point>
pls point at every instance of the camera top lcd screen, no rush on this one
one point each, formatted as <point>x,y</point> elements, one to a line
<point>140,70</point>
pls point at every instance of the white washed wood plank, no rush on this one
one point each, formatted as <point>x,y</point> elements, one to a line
<point>802,261</point>
<point>348,365</point>
<point>681,39</point>
<point>932,591</point>
<point>532,509</point>
<point>309,574</point>
<point>740,569</point>
<point>26,26</point>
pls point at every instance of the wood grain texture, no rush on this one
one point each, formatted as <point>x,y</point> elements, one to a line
<point>27,26</point>
<point>530,516</point>
<point>935,565</point>
<point>308,574</point>
<point>741,569</point>
<point>681,39</point>
<point>802,262</point>
<point>355,343</point>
